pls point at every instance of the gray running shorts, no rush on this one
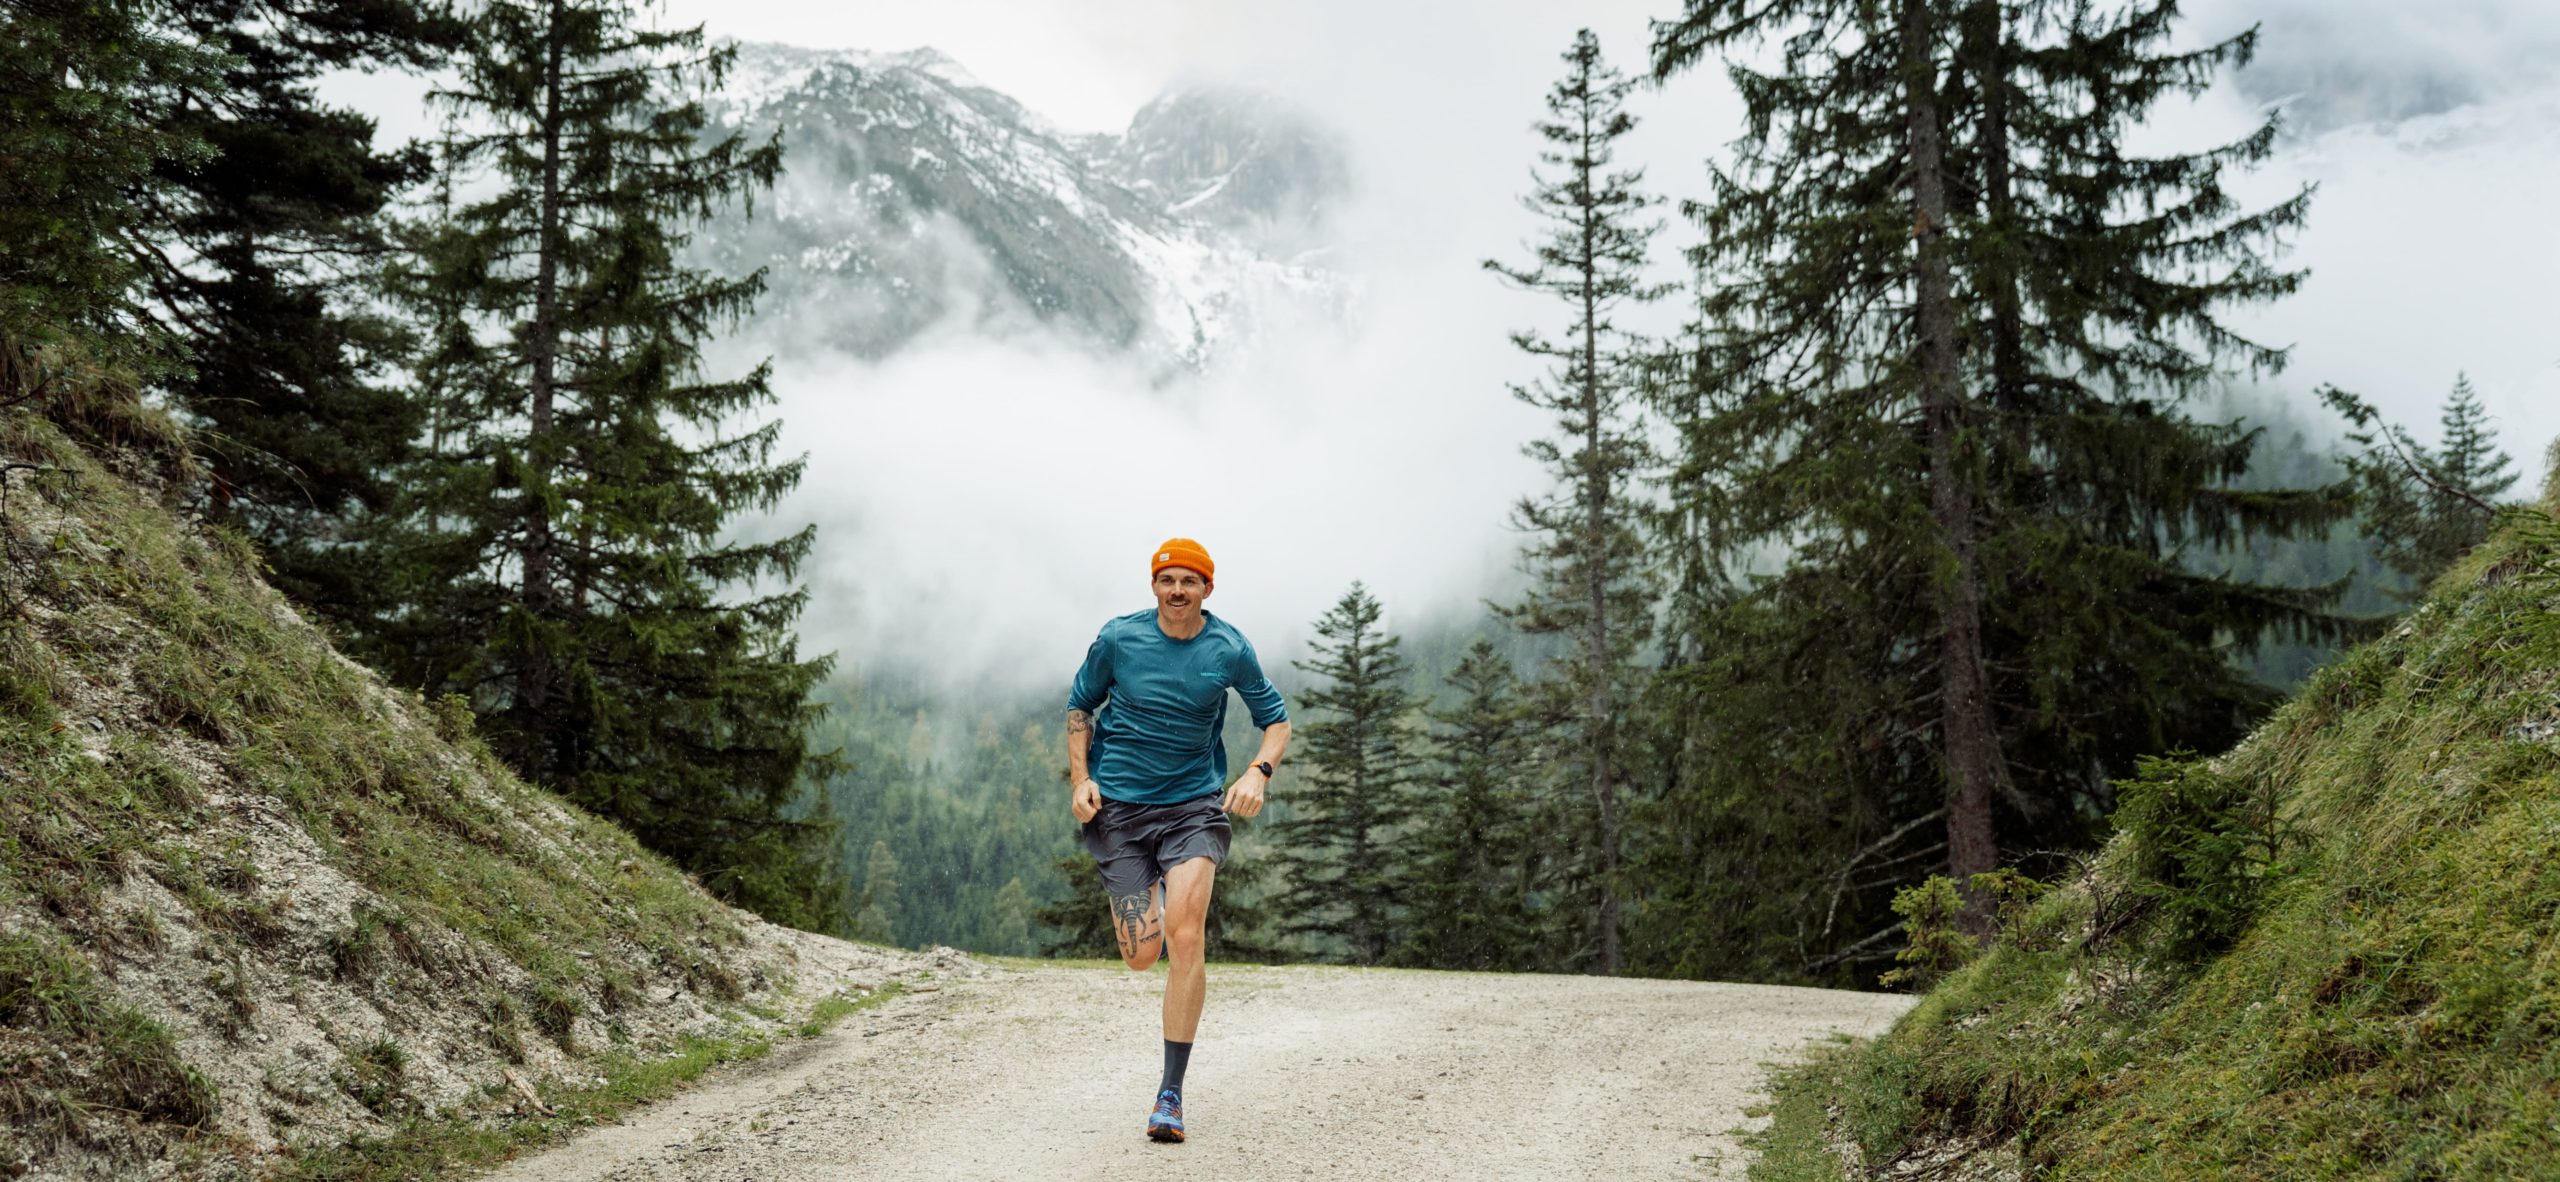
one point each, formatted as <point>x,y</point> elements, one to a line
<point>1133,843</point>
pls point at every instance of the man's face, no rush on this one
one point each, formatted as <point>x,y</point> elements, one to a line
<point>1179,591</point>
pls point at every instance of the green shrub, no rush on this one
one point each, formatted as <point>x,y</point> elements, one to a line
<point>1934,940</point>
<point>2202,845</point>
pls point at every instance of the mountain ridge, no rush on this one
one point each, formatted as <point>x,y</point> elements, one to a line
<point>915,195</point>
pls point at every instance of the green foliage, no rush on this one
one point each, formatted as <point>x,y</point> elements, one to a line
<point>2200,848</point>
<point>876,915</point>
<point>1586,550</point>
<point>1078,918</point>
<point>1935,941</point>
<point>2426,508</point>
<point>262,257</point>
<point>2372,1000</point>
<point>1476,862</point>
<point>1013,920</point>
<point>79,140</point>
<point>1345,887</point>
<point>564,552</point>
<point>1861,505</point>
<point>966,789</point>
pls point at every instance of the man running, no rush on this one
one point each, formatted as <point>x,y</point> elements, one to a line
<point>1144,753</point>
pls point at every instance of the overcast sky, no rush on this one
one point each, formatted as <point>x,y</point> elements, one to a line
<point>984,503</point>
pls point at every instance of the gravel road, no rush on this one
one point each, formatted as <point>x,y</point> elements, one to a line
<point>1046,1073</point>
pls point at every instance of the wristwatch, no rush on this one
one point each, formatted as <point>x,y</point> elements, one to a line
<point>1263,766</point>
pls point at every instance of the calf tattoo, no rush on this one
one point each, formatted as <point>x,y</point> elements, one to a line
<point>1136,928</point>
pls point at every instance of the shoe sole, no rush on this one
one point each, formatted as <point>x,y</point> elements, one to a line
<point>1160,1133</point>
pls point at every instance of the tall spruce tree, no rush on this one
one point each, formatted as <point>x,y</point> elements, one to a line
<point>1587,554</point>
<point>262,260</point>
<point>79,138</point>
<point>1475,866</point>
<point>1341,882</point>
<point>566,554</point>
<point>1951,325</point>
<point>2426,508</point>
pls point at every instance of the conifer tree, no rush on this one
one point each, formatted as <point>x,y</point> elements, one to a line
<point>2426,508</point>
<point>1013,919</point>
<point>567,560</point>
<point>1335,849</point>
<point>876,919</point>
<point>263,259</point>
<point>1951,325</point>
<point>1588,552</point>
<point>1474,867</point>
<point>79,137</point>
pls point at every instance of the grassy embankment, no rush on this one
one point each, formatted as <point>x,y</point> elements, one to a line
<point>154,695</point>
<point>431,1148</point>
<point>2329,953</point>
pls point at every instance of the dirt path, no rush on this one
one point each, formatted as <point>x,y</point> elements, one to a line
<point>1045,1074</point>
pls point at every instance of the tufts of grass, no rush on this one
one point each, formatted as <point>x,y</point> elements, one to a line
<point>443,834</point>
<point>435,1147</point>
<point>555,1013</point>
<point>71,1058</point>
<point>375,1077</point>
<point>833,1007</point>
<point>2333,952</point>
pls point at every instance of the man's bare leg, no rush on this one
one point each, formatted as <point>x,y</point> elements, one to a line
<point>1186,918</point>
<point>1138,920</point>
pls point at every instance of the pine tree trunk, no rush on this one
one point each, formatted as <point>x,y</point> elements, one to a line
<point>1975,768</point>
<point>1595,557</point>
<point>533,676</point>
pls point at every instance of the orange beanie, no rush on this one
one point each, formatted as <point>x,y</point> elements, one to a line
<point>1183,552</point>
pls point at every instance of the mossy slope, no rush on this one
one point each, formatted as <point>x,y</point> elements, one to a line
<point>252,899</point>
<point>2383,1000</point>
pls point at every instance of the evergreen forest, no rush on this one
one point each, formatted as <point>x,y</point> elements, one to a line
<point>1951,499</point>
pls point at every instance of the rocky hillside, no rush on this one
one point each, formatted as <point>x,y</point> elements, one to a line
<point>915,195</point>
<point>261,914</point>
<point>2332,952</point>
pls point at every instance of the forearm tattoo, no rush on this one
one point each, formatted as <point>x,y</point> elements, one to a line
<point>1078,722</point>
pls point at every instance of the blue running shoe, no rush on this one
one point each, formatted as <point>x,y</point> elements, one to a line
<point>1165,1123</point>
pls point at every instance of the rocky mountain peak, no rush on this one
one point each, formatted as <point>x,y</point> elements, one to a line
<point>915,193</point>
<point>1233,157</point>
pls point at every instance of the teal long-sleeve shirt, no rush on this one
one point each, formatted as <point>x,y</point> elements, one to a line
<point>1159,705</point>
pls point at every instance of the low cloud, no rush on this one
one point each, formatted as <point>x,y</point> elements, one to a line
<point>2337,63</point>
<point>983,505</point>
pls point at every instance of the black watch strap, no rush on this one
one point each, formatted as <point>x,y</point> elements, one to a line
<point>1263,766</point>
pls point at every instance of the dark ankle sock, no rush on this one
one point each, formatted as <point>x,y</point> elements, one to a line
<point>1177,1055</point>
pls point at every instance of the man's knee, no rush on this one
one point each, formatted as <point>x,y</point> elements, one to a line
<point>1185,936</point>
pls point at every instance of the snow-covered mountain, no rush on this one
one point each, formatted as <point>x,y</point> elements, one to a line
<point>914,194</point>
